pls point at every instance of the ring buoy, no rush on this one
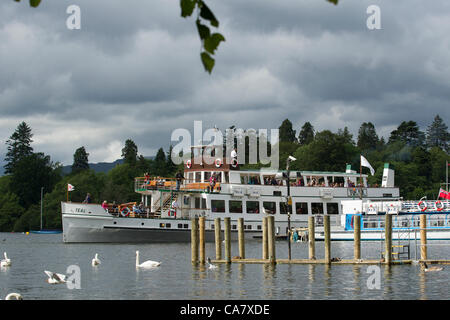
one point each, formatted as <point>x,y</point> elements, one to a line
<point>188,164</point>
<point>125,212</point>
<point>441,207</point>
<point>218,163</point>
<point>424,208</point>
<point>234,163</point>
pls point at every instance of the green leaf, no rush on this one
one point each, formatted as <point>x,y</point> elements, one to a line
<point>211,43</point>
<point>207,14</point>
<point>208,62</point>
<point>187,7</point>
<point>34,3</point>
<point>203,30</point>
<point>333,1</point>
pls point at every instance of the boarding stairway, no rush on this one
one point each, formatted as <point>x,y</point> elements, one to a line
<point>400,244</point>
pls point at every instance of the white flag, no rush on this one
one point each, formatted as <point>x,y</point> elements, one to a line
<point>70,187</point>
<point>366,164</point>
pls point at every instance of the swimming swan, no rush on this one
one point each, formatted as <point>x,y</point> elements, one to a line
<point>146,264</point>
<point>13,296</point>
<point>426,268</point>
<point>210,265</point>
<point>5,262</point>
<point>54,278</point>
<point>96,261</point>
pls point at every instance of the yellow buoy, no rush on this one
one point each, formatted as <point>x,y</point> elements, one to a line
<point>28,232</point>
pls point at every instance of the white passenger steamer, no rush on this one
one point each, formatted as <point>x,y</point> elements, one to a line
<point>248,194</point>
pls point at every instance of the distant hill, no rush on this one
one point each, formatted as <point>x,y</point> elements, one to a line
<point>97,167</point>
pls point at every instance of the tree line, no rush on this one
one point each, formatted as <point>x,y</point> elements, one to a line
<point>419,160</point>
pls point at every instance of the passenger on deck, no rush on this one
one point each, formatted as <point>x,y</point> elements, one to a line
<point>179,176</point>
<point>274,181</point>
<point>88,198</point>
<point>105,205</point>
<point>138,209</point>
<point>212,182</point>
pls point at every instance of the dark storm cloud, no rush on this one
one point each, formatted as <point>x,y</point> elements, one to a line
<point>133,70</point>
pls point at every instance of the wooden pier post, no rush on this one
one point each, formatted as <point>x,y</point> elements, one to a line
<point>271,238</point>
<point>357,237</point>
<point>423,237</point>
<point>311,238</point>
<point>265,245</point>
<point>388,238</point>
<point>194,240</point>
<point>201,239</point>
<point>227,236</point>
<point>217,232</point>
<point>327,240</point>
<point>241,238</point>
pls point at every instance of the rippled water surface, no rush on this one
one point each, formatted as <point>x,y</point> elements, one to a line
<point>117,277</point>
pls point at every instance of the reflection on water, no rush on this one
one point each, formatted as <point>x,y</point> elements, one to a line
<point>117,277</point>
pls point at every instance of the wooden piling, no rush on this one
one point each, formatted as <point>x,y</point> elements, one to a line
<point>388,238</point>
<point>311,238</point>
<point>423,237</point>
<point>265,245</point>
<point>327,240</point>
<point>194,240</point>
<point>241,238</point>
<point>201,239</point>
<point>217,231</point>
<point>271,238</point>
<point>357,237</point>
<point>227,236</point>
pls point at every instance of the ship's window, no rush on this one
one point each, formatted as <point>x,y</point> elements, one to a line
<point>301,208</point>
<point>270,207</point>
<point>249,227</point>
<point>161,225</point>
<point>218,205</point>
<point>284,208</point>
<point>207,176</point>
<point>235,206</point>
<point>185,226</point>
<point>387,195</point>
<point>168,225</point>
<point>190,177</point>
<point>186,200</point>
<point>258,227</point>
<point>332,208</point>
<point>252,206</point>
<point>197,203</point>
<point>234,227</point>
<point>277,193</point>
<point>203,203</point>
<point>198,177</point>
<point>317,207</point>
<point>180,226</point>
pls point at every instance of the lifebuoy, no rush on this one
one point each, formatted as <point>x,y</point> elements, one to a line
<point>188,164</point>
<point>424,208</point>
<point>218,163</point>
<point>441,205</point>
<point>234,163</point>
<point>125,212</point>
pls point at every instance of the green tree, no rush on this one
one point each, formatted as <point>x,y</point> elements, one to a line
<point>129,152</point>
<point>437,134</point>
<point>19,147</point>
<point>367,136</point>
<point>286,133</point>
<point>346,136</point>
<point>30,174</point>
<point>160,163</point>
<point>80,160</point>
<point>306,134</point>
<point>409,133</point>
<point>170,166</point>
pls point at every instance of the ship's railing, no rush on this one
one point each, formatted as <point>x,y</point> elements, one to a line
<point>163,183</point>
<point>398,221</point>
<point>430,205</point>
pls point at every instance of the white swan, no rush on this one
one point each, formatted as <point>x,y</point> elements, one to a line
<point>5,262</point>
<point>14,295</point>
<point>146,264</point>
<point>96,261</point>
<point>210,265</point>
<point>54,278</point>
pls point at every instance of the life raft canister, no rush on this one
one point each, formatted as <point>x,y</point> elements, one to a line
<point>218,163</point>
<point>188,164</point>
<point>125,212</point>
<point>424,206</point>
<point>440,207</point>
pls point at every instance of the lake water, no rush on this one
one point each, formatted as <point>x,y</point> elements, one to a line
<point>117,278</point>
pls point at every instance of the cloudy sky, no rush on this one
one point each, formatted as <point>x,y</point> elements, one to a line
<point>133,70</point>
